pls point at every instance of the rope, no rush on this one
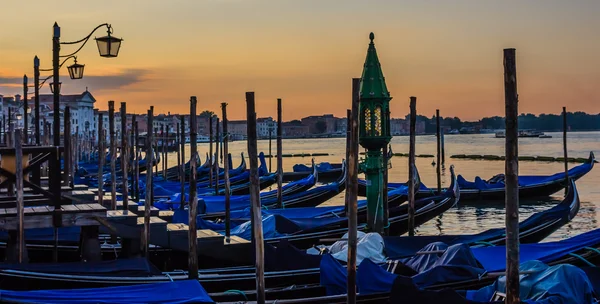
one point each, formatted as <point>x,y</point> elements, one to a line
<point>583,259</point>
<point>235,291</point>
<point>485,243</point>
<point>169,276</point>
<point>593,249</point>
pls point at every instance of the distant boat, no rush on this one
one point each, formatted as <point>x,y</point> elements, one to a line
<point>525,133</point>
<point>199,139</point>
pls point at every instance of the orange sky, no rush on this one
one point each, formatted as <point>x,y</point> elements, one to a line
<point>447,53</point>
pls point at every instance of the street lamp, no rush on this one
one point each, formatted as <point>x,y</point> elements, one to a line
<point>52,87</point>
<point>76,70</point>
<point>108,46</point>
<point>374,133</point>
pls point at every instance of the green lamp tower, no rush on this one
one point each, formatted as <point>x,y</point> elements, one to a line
<point>374,134</point>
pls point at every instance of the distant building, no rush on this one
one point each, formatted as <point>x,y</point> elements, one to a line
<point>399,126</point>
<point>323,124</point>
<point>263,125</point>
<point>238,129</point>
<point>294,129</point>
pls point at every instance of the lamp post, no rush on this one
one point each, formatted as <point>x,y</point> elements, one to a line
<point>108,46</point>
<point>374,134</point>
<point>25,110</point>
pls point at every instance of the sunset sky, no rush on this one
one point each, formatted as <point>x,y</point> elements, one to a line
<point>448,53</point>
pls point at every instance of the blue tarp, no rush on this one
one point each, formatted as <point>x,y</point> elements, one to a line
<point>274,225</point>
<point>188,291</point>
<point>560,284</point>
<point>322,167</point>
<point>525,180</point>
<point>399,247</point>
<point>284,256</point>
<point>123,267</point>
<point>493,258</point>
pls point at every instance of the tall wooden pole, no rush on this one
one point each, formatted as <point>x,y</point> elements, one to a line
<point>438,168</point>
<point>257,230</point>
<point>384,189</point>
<point>134,156</point>
<point>182,168</point>
<point>124,157</point>
<point>67,144</point>
<point>193,210</point>
<point>101,158</point>
<point>512,177</point>
<point>565,153</point>
<point>348,143</point>
<point>226,174</point>
<point>155,143</point>
<point>217,159</point>
<point>113,155</point>
<point>279,156</point>
<point>149,186</point>
<point>162,150</point>
<point>411,167</point>
<point>137,160</point>
<point>270,148</point>
<point>19,193</point>
<point>25,109</point>
<point>352,193</point>
<point>210,150</point>
<point>36,92</point>
<point>178,146</point>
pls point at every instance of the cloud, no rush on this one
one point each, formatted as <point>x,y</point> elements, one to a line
<point>128,78</point>
<point>125,79</point>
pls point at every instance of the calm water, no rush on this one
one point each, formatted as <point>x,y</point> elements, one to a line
<point>472,217</point>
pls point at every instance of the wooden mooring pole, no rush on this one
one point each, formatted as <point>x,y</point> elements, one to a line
<point>226,174</point>
<point>149,186</point>
<point>257,230</point>
<point>182,168</point>
<point>20,204</point>
<point>412,167</point>
<point>67,145</point>
<point>565,153</point>
<point>348,142</point>
<point>511,177</point>
<point>279,156</point>
<point>113,155</point>
<point>124,157</point>
<point>352,193</point>
<point>137,159</point>
<point>438,168</point>
<point>193,209</point>
<point>101,158</point>
<point>216,171</point>
<point>210,150</point>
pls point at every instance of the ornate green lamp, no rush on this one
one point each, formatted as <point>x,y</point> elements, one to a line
<point>374,134</point>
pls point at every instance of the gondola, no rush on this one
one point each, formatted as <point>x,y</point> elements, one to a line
<point>327,171</point>
<point>493,189</point>
<point>299,268</point>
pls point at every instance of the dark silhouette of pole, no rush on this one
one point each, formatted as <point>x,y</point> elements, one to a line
<point>210,150</point>
<point>182,168</point>
<point>348,142</point>
<point>217,159</point>
<point>411,167</point>
<point>149,186</point>
<point>36,77</point>
<point>352,193</point>
<point>279,156</point>
<point>113,157</point>
<point>25,108</point>
<point>67,145</point>
<point>124,158</point>
<point>565,153</point>
<point>193,210</point>
<point>19,196</point>
<point>438,168</point>
<point>257,230</point>
<point>101,158</point>
<point>137,159</point>
<point>511,177</point>
<point>226,174</point>
<point>55,82</point>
